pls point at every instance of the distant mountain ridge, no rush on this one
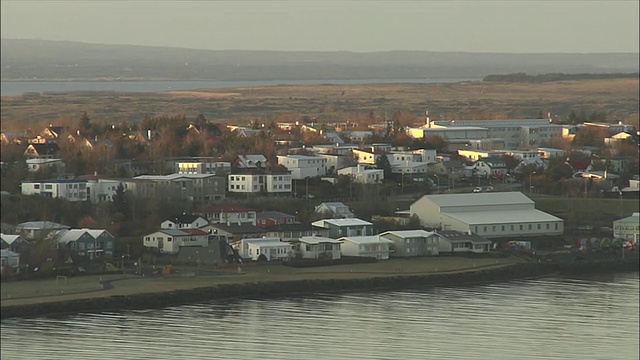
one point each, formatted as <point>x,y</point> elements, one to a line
<point>64,60</point>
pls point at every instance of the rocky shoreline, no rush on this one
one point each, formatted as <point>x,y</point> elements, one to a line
<point>288,288</point>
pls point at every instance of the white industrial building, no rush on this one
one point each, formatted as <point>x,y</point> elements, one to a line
<point>490,215</point>
<point>627,228</point>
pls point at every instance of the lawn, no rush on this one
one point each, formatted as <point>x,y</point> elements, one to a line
<point>38,291</point>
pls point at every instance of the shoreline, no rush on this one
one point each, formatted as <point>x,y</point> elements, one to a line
<point>271,289</point>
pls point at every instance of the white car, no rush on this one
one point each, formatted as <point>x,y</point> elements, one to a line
<point>477,189</point>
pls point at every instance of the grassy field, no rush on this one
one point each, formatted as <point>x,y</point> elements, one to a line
<point>616,97</point>
<point>32,292</point>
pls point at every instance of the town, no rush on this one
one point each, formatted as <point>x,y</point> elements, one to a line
<point>88,197</point>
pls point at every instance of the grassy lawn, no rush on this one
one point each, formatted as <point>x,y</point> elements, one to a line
<point>30,292</point>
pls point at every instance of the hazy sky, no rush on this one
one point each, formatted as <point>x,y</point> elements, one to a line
<point>360,26</point>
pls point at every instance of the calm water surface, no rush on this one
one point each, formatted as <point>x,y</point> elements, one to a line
<point>594,317</point>
<point>21,87</point>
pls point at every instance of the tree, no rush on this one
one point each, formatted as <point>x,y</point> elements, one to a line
<point>382,162</point>
<point>85,122</point>
<point>120,202</point>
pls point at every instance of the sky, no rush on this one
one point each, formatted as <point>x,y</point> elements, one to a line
<point>504,26</point>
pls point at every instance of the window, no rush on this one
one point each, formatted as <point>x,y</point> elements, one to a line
<point>520,227</point>
<point>502,227</point>
<point>529,226</point>
<point>36,186</point>
<point>485,229</point>
<point>556,226</point>
<point>547,226</point>
<point>48,186</point>
<point>539,226</point>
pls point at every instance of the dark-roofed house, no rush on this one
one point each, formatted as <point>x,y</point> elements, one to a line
<point>272,218</point>
<point>184,221</point>
<point>42,151</point>
<point>235,231</point>
<point>217,252</point>
<point>458,241</point>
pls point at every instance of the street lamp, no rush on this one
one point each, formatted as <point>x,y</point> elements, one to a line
<point>533,172</point>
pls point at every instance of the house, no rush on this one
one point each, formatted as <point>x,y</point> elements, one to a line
<point>42,151</point>
<point>317,247</point>
<point>228,214</point>
<point>273,181</point>
<point>235,231</point>
<point>38,230</point>
<point>216,252</point>
<point>410,169</point>
<point>87,242</point>
<point>363,174</point>
<point>359,136</point>
<point>458,241</point>
<point>408,243</point>
<point>344,227</point>
<point>628,228</point>
<point>184,221</point>
<point>203,188</point>
<point>303,166</point>
<point>269,248</point>
<point>67,189</point>
<point>336,161</point>
<point>490,215</point>
<point>336,210</point>
<point>272,218</point>
<point>203,167</point>
<point>34,165</point>
<point>292,232</point>
<point>249,162</point>
<point>365,156</point>
<point>15,243</point>
<point>171,240</point>
<point>8,259</point>
<point>374,246</point>
<point>488,167</point>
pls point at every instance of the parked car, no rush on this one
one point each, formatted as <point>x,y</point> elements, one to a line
<point>477,189</point>
<point>488,188</point>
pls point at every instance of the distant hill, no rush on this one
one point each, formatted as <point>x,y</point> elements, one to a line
<point>61,60</point>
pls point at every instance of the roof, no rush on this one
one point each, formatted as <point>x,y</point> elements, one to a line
<point>373,239</point>
<point>270,243</point>
<point>408,233</point>
<point>502,216</point>
<point>454,236</point>
<point>341,222</point>
<point>173,232</point>
<point>56,181</point>
<point>635,217</point>
<point>41,225</point>
<point>470,199</point>
<point>272,215</point>
<point>173,176</point>
<point>195,232</point>
<point>42,161</point>
<point>243,228</point>
<point>318,240</point>
<point>185,218</point>
<point>225,208</point>
<point>67,236</point>
<point>10,239</point>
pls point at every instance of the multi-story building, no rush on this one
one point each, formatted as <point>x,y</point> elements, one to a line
<point>344,227</point>
<point>256,182</point>
<point>363,174</point>
<point>201,188</point>
<point>303,166</point>
<point>70,190</point>
<point>203,167</point>
<point>628,228</point>
<point>87,242</point>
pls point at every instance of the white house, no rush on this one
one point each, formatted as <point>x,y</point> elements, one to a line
<point>408,243</point>
<point>313,247</point>
<point>70,190</point>
<point>411,168</point>
<point>184,221</point>
<point>363,174</point>
<point>303,166</point>
<point>254,183</point>
<point>271,248</point>
<point>490,215</point>
<point>170,240</point>
<point>628,228</point>
<point>373,246</point>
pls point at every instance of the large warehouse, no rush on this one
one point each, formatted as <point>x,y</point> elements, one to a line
<point>491,215</point>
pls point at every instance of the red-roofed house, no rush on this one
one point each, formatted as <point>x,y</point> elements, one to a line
<point>228,214</point>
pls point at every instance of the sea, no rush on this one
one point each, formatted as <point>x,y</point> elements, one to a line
<point>558,317</point>
<point>20,87</point>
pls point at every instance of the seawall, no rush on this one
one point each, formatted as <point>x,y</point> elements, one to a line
<point>270,289</point>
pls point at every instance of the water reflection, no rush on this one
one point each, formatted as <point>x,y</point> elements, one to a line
<point>552,318</point>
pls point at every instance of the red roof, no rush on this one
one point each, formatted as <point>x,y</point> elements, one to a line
<point>225,208</point>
